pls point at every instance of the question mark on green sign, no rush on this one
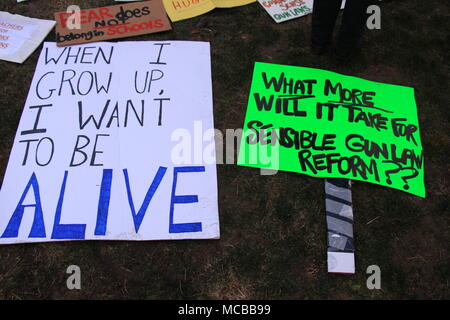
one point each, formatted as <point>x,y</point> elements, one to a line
<point>399,168</point>
<point>406,178</point>
<point>392,171</point>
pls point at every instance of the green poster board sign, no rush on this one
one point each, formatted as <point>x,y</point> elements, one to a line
<point>326,124</point>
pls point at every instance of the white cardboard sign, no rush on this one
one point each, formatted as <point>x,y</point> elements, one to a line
<point>284,10</point>
<point>93,157</point>
<point>20,36</point>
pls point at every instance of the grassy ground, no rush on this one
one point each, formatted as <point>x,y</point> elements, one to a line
<point>273,228</point>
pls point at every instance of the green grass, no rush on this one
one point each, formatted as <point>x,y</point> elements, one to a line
<point>273,232</point>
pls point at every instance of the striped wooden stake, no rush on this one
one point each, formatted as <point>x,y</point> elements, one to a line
<point>339,211</point>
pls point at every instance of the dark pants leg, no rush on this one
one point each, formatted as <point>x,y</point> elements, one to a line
<point>324,17</point>
<point>352,27</point>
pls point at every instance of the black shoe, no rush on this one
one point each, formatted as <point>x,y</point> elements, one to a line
<point>340,59</point>
<point>319,50</point>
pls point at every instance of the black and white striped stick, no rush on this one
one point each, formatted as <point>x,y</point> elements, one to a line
<point>339,212</point>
